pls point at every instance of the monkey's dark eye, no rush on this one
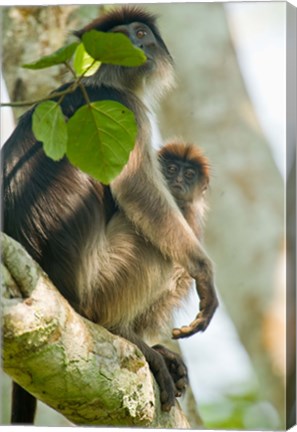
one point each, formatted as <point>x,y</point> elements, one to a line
<point>190,174</point>
<point>141,33</point>
<point>171,169</point>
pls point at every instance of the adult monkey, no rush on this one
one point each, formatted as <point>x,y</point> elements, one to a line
<point>65,219</point>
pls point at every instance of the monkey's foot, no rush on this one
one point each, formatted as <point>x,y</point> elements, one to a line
<point>176,368</point>
<point>162,375</point>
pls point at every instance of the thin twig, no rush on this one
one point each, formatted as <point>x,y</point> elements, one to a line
<point>36,101</point>
<point>77,83</point>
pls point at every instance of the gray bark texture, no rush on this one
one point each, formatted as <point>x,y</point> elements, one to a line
<point>76,367</point>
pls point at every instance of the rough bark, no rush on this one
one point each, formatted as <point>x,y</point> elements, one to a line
<point>30,32</point>
<point>77,367</point>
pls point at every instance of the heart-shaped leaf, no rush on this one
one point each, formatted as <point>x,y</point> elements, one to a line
<point>83,63</point>
<point>50,128</point>
<point>113,48</point>
<point>101,136</point>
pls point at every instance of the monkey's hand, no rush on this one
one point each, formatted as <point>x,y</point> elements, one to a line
<point>208,303</point>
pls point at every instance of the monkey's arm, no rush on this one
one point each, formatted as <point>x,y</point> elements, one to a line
<point>207,308</point>
<point>147,203</point>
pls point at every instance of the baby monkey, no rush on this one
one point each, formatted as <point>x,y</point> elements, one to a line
<point>186,171</point>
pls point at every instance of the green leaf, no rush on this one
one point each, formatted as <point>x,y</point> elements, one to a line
<point>83,63</point>
<point>114,48</point>
<point>49,127</point>
<point>100,138</point>
<point>60,56</point>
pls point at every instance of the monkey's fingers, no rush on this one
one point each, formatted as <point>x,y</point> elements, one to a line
<point>199,324</point>
<point>208,305</point>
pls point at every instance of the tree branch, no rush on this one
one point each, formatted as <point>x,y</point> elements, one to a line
<point>77,367</point>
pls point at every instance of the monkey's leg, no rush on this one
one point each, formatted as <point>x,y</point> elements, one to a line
<point>159,369</point>
<point>23,406</point>
<point>176,367</point>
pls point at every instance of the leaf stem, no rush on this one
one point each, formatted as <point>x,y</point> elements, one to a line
<point>79,82</point>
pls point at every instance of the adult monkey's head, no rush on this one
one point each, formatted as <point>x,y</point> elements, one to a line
<point>153,77</point>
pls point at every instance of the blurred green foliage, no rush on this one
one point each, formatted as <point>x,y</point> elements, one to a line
<point>243,412</point>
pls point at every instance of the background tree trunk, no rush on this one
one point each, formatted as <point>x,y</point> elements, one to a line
<point>245,227</point>
<point>31,32</point>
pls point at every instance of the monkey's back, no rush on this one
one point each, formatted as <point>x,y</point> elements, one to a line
<point>49,207</point>
<point>53,209</point>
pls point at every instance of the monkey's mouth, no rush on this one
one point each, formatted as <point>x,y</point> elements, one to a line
<point>149,60</point>
<point>178,189</point>
<point>177,186</point>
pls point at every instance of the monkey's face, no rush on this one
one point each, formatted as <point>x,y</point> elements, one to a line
<point>157,71</point>
<point>183,179</point>
<point>150,80</point>
<point>142,37</point>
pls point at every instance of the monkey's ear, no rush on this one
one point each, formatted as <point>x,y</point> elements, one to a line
<point>204,183</point>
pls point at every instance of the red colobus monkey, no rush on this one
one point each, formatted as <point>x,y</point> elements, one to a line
<point>186,171</point>
<point>86,221</point>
